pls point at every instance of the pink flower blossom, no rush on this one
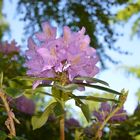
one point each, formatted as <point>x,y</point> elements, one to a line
<point>8,48</point>
<point>25,105</point>
<point>69,54</point>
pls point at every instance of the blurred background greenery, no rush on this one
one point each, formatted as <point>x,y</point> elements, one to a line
<point>114,29</point>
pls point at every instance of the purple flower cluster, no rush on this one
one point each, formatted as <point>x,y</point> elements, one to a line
<point>106,109</point>
<point>8,48</point>
<point>71,123</point>
<point>69,54</point>
<point>25,105</point>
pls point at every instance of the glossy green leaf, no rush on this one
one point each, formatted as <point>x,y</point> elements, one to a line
<point>13,92</point>
<point>100,88</point>
<point>67,88</point>
<point>92,80</point>
<point>86,112</point>
<point>3,135</point>
<point>84,108</point>
<point>39,121</point>
<point>96,99</point>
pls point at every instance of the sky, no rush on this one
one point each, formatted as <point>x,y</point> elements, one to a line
<point>115,75</point>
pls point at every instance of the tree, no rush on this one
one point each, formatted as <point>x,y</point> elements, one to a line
<point>3,23</point>
<point>131,9</point>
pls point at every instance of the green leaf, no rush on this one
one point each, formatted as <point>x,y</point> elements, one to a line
<point>56,93</point>
<point>71,87</point>
<point>84,108</point>
<point>3,135</point>
<point>13,92</point>
<point>34,78</point>
<point>59,94</point>
<point>39,121</point>
<point>86,112</point>
<point>100,88</point>
<point>92,80</point>
<point>67,88</point>
<point>58,109</point>
<point>96,99</point>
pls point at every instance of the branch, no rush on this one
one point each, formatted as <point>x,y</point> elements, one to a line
<point>11,117</point>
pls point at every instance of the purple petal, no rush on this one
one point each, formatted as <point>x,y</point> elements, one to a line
<point>41,36</point>
<point>105,107</point>
<point>98,115</point>
<point>25,105</point>
<point>37,83</point>
<point>67,34</point>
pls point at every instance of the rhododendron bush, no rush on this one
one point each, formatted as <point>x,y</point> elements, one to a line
<point>65,64</point>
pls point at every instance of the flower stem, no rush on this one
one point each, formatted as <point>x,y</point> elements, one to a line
<point>62,122</point>
<point>10,121</point>
<point>62,128</point>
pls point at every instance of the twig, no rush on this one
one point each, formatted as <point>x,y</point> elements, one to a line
<point>10,120</point>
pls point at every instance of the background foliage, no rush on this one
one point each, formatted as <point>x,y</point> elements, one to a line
<point>3,23</point>
<point>97,17</point>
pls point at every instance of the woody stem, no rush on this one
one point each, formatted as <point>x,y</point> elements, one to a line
<point>10,121</point>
